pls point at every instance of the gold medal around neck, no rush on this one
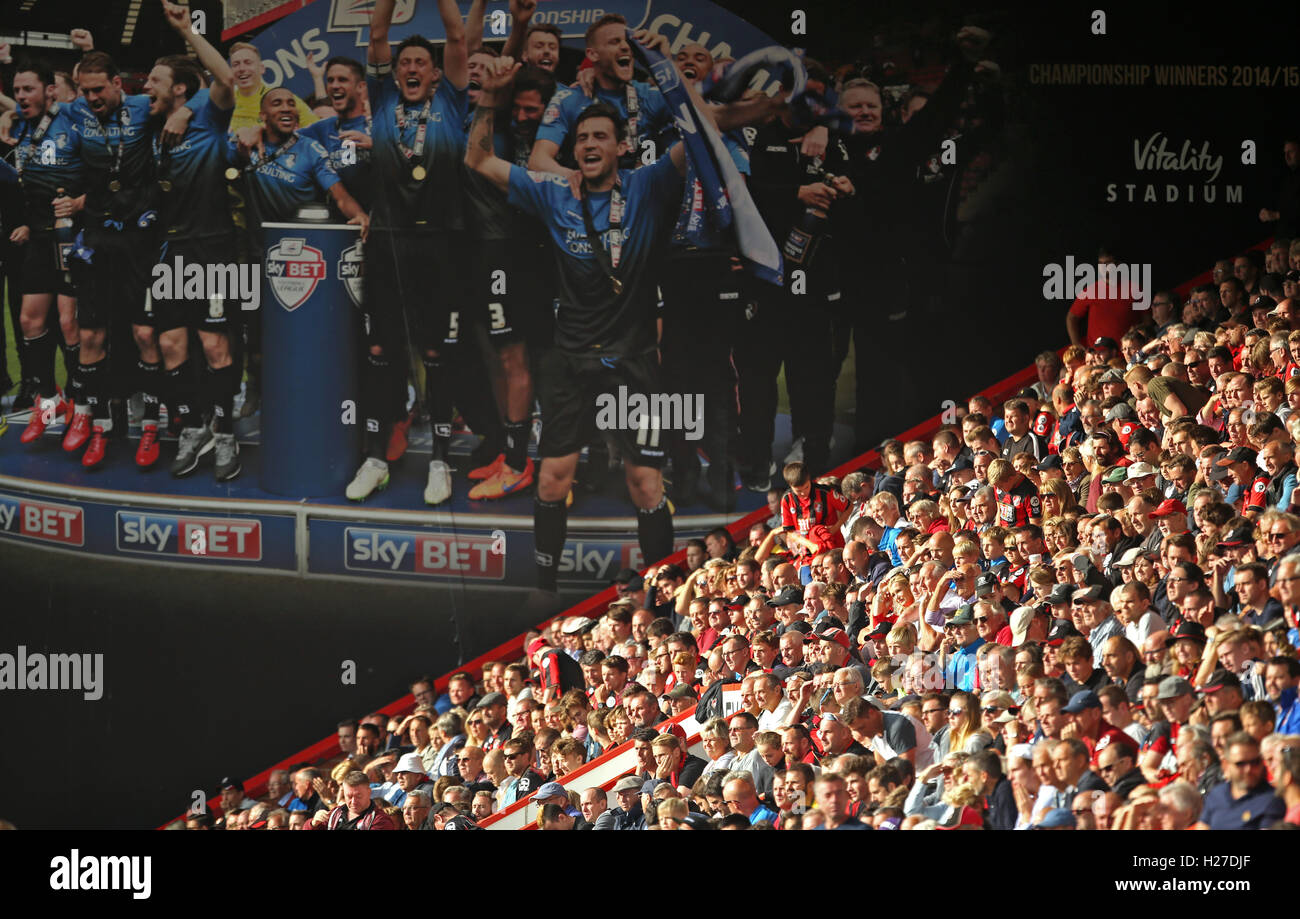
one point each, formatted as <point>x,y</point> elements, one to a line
<point>617,285</point>
<point>165,184</point>
<point>232,173</point>
<point>418,173</point>
<point>114,185</point>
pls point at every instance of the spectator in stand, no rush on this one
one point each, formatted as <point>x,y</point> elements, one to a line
<point>357,812</point>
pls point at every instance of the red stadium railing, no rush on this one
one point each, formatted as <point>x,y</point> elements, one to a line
<point>513,648</point>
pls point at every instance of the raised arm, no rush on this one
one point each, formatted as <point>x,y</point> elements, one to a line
<point>480,155</point>
<point>474,26</point>
<point>521,15</point>
<point>222,90</point>
<point>379,51</point>
<point>455,58</point>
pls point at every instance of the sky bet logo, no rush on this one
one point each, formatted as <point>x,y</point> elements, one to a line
<point>42,520</point>
<point>426,554</point>
<point>219,538</point>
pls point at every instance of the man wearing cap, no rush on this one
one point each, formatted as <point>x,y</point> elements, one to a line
<point>493,707</point>
<point>1175,699</point>
<point>681,698</point>
<point>1170,517</point>
<point>1030,623</point>
<point>787,606</point>
<point>1246,800</point>
<point>961,643</point>
<point>1247,491</point>
<point>408,775</point>
<point>1094,618</point>
<point>233,799</point>
<point>628,815</point>
<point>1222,693</point>
<point>1090,725</point>
<point>554,793</point>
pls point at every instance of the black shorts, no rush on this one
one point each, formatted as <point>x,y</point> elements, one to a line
<point>411,290</point>
<point>206,313</point>
<point>577,394</point>
<point>116,283</point>
<point>41,273</point>
<point>494,276</point>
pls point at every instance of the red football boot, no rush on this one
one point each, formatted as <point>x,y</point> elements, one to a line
<point>397,439</point>
<point>94,454</point>
<point>44,413</point>
<point>491,469</point>
<point>78,432</point>
<point>147,453</point>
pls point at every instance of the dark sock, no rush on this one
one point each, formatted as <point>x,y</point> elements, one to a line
<point>221,385</point>
<point>92,378</point>
<point>654,530</point>
<point>24,347</point>
<point>437,393</point>
<point>550,526</point>
<point>71,360</point>
<point>40,364</point>
<point>150,379</point>
<point>182,395</point>
<point>517,445</point>
<point>376,404</point>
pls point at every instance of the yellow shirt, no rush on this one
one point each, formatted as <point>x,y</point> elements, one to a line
<point>248,109</point>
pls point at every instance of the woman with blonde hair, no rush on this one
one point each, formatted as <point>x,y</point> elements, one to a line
<point>1057,498</point>
<point>965,733</point>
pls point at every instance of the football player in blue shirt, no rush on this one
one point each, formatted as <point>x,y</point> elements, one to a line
<point>640,105</point>
<point>605,334</point>
<point>196,228</point>
<point>50,174</point>
<point>286,169</point>
<point>410,274</point>
<point>346,135</point>
<point>120,235</point>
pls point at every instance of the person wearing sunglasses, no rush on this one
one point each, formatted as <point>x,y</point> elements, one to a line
<point>1245,801</point>
<point>521,778</point>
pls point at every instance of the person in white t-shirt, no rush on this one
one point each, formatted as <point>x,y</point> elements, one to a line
<point>1132,605</point>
